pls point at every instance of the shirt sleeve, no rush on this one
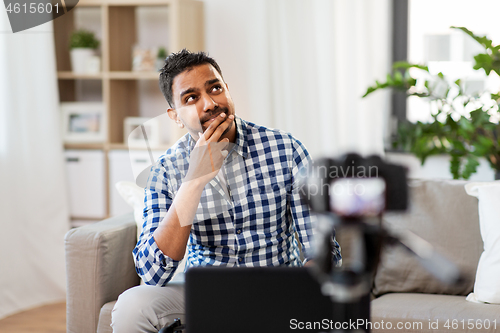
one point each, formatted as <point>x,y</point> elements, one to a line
<point>151,264</point>
<point>304,219</point>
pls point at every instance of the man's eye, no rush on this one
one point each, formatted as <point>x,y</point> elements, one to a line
<point>216,88</point>
<point>190,99</point>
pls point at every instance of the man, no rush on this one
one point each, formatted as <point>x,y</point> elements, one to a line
<point>227,191</point>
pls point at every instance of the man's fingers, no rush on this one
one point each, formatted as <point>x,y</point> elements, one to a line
<point>220,129</point>
<point>211,157</point>
<point>225,144</point>
<point>214,125</point>
<point>221,147</point>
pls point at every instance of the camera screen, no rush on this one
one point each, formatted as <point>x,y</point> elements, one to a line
<point>353,197</point>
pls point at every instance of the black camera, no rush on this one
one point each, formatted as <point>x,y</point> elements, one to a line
<point>354,187</point>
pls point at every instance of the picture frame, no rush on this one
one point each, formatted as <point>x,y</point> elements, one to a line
<point>84,122</point>
<point>134,135</point>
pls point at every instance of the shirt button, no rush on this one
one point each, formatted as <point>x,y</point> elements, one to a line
<point>238,231</point>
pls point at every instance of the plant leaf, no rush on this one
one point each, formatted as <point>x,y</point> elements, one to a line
<point>470,166</point>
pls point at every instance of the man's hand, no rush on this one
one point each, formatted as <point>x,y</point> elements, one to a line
<point>208,154</point>
<point>309,263</point>
<point>205,161</point>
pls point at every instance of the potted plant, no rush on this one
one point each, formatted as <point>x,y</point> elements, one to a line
<point>83,45</point>
<point>463,126</point>
<point>160,57</point>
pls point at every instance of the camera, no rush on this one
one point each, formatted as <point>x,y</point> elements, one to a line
<point>354,187</point>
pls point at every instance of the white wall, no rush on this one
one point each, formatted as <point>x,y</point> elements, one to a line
<point>231,27</point>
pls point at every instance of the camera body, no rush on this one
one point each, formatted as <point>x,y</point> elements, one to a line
<point>354,187</point>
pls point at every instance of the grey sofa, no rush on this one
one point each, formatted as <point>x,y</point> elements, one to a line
<point>100,267</point>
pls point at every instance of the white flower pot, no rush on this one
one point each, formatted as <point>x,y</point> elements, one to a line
<point>79,58</point>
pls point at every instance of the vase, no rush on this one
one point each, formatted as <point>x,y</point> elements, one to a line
<point>79,58</point>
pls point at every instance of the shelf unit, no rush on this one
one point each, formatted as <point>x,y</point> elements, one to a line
<point>120,87</point>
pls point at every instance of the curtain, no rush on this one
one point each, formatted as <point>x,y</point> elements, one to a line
<point>311,61</point>
<point>33,203</point>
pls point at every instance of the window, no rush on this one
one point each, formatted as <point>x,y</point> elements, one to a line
<point>430,41</point>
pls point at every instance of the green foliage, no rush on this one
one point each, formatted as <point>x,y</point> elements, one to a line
<point>464,136</point>
<point>162,53</point>
<point>83,39</point>
<point>490,60</point>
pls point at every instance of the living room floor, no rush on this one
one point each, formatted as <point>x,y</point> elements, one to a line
<point>45,319</point>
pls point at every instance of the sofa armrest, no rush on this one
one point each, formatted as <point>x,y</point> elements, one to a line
<point>99,267</point>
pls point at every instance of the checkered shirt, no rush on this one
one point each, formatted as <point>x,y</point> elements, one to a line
<point>254,226</point>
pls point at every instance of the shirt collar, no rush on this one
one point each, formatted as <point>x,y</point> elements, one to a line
<point>241,143</point>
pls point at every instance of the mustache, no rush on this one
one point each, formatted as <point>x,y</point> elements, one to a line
<point>214,113</point>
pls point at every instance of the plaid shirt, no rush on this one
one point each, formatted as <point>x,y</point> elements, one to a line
<point>254,226</point>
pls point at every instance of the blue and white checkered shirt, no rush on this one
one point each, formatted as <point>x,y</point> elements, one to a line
<point>254,226</point>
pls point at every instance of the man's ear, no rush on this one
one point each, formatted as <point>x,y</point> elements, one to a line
<point>175,117</point>
<point>172,114</point>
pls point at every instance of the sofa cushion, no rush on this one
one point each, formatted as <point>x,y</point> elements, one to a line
<point>444,215</point>
<point>104,325</point>
<point>487,285</point>
<point>421,309</point>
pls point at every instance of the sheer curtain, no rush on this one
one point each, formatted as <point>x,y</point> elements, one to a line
<point>33,203</point>
<point>310,63</point>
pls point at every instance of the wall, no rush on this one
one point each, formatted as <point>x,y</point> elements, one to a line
<point>231,27</point>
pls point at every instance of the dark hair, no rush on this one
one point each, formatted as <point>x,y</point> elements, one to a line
<point>177,63</point>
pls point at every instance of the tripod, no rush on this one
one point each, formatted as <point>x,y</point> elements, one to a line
<point>346,195</point>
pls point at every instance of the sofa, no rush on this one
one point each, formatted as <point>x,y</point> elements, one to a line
<point>406,297</point>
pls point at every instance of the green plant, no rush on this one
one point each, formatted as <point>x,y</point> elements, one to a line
<point>162,53</point>
<point>83,39</point>
<point>463,126</point>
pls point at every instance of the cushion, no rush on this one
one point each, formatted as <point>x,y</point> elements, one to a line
<point>432,313</point>
<point>487,285</point>
<point>444,215</point>
<point>104,325</point>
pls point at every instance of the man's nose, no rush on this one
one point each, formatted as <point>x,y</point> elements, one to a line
<point>208,103</point>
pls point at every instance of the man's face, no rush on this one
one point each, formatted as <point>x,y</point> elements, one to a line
<point>199,95</point>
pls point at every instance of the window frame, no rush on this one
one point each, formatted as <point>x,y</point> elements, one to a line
<point>399,52</point>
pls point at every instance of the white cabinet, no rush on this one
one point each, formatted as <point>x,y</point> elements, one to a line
<point>86,183</point>
<point>126,165</point>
